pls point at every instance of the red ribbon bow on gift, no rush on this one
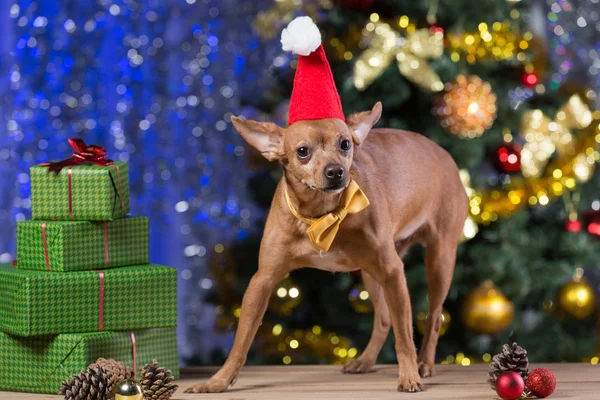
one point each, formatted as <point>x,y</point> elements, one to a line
<point>83,153</point>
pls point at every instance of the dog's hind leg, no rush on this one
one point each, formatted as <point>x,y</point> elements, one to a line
<point>381,328</point>
<point>440,257</point>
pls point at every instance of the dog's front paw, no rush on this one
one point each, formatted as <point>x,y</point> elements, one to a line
<point>359,366</point>
<point>212,386</point>
<point>409,383</point>
<point>426,370</point>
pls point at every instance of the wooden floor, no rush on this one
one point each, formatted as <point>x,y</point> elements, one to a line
<point>575,381</point>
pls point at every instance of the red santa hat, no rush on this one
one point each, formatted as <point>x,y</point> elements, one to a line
<point>314,95</point>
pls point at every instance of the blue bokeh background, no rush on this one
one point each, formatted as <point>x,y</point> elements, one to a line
<point>154,82</point>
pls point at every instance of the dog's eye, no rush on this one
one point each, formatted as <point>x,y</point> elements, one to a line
<point>302,152</point>
<point>345,145</point>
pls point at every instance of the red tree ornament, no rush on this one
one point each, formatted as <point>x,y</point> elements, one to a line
<point>592,220</point>
<point>541,382</point>
<point>510,385</point>
<point>508,158</point>
<point>530,79</point>
<point>572,225</point>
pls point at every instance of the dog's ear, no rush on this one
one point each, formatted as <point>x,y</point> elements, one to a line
<point>360,124</point>
<point>265,137</point>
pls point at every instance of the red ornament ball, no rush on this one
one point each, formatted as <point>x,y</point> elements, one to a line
<point>510,385</point>
<point>530,79</point>
<point>592,222</point>
<point>541,382</point>
<point>572,225</point>
<point>508,158</point>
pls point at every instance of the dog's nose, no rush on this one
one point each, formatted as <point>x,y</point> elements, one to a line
<point>334,172</point>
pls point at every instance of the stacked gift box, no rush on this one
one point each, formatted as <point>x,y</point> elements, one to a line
<point>82,286</point>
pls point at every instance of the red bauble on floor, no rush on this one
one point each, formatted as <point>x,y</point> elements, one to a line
<point>510,386</point>
<point>541,382</point>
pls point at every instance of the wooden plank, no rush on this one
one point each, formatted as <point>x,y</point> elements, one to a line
<point>575,381</point>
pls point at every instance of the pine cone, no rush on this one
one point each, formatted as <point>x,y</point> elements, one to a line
<point>512,358</point>
<point>115,371</point>
<point>89,384</point>
<point>97,381</point>
<point>157,382</point>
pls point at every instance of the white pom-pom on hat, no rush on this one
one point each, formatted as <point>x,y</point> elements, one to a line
<point>301,36</point>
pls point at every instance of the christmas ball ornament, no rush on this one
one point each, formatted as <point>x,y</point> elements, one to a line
<point>592,220</point>
<point>285,297</point>
<point>508,158</point>
<point>128,389</point>
<point>486,310</point>
<point>422,321</point>
<point>577,298</point>
<point>530,79</point>
<point>572,225</point>
<point>466,107</point>
<point>541,382</point>
<point>510,386</point>
<point>360,300</point>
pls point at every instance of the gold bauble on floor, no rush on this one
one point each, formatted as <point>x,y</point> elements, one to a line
<point>128,389</point>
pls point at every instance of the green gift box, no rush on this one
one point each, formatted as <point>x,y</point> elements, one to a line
<point>82,245</point>
<point>80,193</point>
<point>42,303</point>
<point>39,364</point>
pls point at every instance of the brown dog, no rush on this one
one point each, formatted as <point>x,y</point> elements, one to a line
<point>416,196</point>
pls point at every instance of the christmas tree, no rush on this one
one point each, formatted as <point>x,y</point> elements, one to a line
<point>474,78</point>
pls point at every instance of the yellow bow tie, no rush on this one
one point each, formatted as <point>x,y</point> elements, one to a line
<point>322,230</point>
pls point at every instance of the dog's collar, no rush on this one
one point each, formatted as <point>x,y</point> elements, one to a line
<point>322,230</point>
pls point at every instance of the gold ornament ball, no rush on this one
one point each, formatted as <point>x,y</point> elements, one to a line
<point>422,321</point>
<point>486,310</point>
<point>360,300</point>
<point>128,389</point>
<point>577,298</point>
<point>285,297</point>
<point>466,107</point>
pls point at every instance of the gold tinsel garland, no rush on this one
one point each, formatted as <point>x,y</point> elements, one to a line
<point>544,136</point>
<point>574,165</point>
<point>499,42</point>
